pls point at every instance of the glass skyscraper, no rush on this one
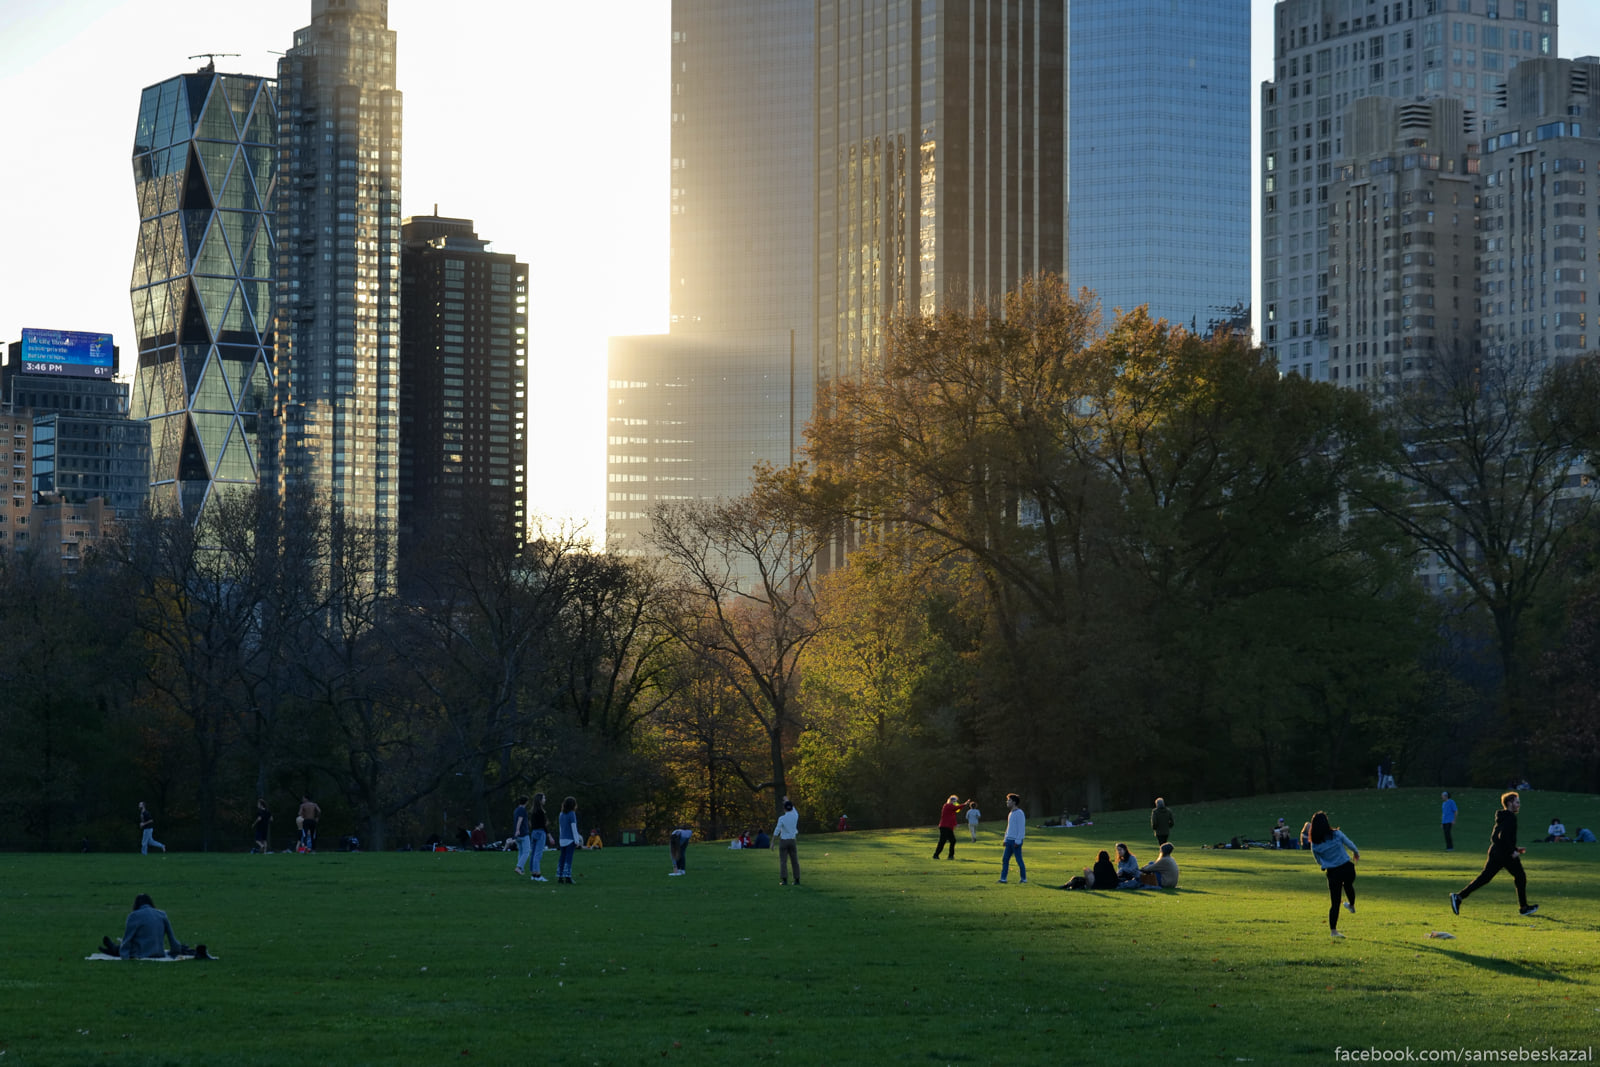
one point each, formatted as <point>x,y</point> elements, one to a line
<point>338,279</point>
<point>204,165</point>
<point>941,160</point>
<point>1159,176</point>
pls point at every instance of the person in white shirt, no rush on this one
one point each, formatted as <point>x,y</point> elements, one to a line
<point>973,815</point>
<point>1016,830</point>
<point>785,832</point>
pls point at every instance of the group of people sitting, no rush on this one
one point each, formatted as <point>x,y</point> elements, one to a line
<point>1557,831</point>
<point>1125,873</point>
<point>744,840</point>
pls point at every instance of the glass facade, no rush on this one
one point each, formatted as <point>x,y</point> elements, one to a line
<point>338,278</point>
<point>1159,182</point>
<point>941,160</point>
<point>204,166</point>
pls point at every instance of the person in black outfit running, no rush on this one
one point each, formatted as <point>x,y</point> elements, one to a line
<point>1503,855</point>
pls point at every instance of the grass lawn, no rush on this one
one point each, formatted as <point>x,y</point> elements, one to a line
<point>883,955</point>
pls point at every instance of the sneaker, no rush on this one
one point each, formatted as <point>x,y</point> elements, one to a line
<point>1336,934</point>
<point>538,878</point>
<point>1002,881</point>
<point>1351,908</point>
<point>1455,903</point>
<point>1529,910</point>
<point>518,870</point>
<point>1024,881</point>
<point>783,883</point>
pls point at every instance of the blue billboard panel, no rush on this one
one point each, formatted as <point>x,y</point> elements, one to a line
<point>81,355</point>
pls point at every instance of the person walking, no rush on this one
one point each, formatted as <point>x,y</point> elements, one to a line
<point>147,831</point>
<point>1503,855</point>
<point>787,830</point>
<point>310,812</point>
<point>947,826</point>
<point>568,829</point>
<point>1161,821</point>
<point>1328,845</point>
<point>1016,830</point>
<point>973,817</point>
<point>539,837</point>
<point>520,832</point>
<point>1447,819</point>
<point>263,825</point>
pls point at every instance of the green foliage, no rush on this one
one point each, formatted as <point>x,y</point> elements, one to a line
<point>883,955</point>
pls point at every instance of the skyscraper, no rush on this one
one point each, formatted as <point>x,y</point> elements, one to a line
<point>691,413</point>
<point>463,383</point>
<point>204,162</point>
<point>338,280</point>
<point>1328,54</point>
<point>941,160</point>
<point>1159,174</point>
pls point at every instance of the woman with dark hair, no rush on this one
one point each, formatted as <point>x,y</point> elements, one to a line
<point>1127,867</point>
<point>146,931</point>
<point>569,840</point>
<point>1103,875</point>
<point>1328,844</point>
<point>539,832</point>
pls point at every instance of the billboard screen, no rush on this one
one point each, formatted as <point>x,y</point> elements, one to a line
<point>81,355</point>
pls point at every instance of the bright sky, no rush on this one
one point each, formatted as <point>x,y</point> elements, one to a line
<point>544,121</point>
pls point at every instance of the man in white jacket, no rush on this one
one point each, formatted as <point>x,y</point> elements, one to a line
<point>784,834</point>
<point>1016,830</point>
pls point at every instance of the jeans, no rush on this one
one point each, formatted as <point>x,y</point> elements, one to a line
<point>564,868</point>
<point>524,847</point>
<point>537,847</point>
<point>148,839</point>
<point>1013,848</point>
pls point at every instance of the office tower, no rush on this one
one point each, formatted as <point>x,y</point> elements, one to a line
<point>1328,54</point>
<point>1541,152</point>
<point>463,384</point>
<point>1402,236</point>
<point>204,160</point>
<point>941,160</point>
<point>1159,175</point>
<point>691,413</point>
<point>338,277</point>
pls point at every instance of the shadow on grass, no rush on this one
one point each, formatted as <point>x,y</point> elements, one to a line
<point>1499,966</point>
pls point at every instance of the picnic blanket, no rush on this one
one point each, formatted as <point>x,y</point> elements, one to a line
<point>101,956</point>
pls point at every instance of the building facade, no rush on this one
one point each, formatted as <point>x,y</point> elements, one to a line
<point>692,412</point>
<point>463,383</point>
<point>1327,55</point>
<point>338,273</point>
<point>1402,238</point>
<point>16,501</point>
<point>941,169</point>
<point>205,165</point>
<point>1541,175</point>
<point>1160,108</point>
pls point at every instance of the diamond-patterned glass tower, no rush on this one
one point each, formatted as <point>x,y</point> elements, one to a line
<point>204,161</point>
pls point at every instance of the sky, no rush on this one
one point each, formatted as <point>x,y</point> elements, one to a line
<point>546,121</point>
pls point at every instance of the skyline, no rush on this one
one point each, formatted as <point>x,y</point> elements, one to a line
<point>580,193</point>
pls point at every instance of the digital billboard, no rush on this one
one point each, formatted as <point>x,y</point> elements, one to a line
<point>81,355</point>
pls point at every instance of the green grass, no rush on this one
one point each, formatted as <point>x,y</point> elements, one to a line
<point>883,956</point>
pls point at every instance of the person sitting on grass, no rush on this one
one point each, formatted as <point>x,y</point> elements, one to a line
<point>1282,836</point>
<point>1160,873</point>
<point>1103,875</point>
<point>1557,831</point>
<point>146,933</point>
<point>594,844</point>
<point>1127,868</point>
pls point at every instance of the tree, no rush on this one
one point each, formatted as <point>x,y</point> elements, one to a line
<point>742,574</point>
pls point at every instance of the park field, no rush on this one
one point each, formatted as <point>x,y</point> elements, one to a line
<point>882,956</point>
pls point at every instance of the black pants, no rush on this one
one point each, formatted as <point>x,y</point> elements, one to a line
<point>946,834</point>
<point>1449,842</point>
<point>788,857</point>
<point>1495,866</point>
<point>1340,878</point>
<point>1161,839</point>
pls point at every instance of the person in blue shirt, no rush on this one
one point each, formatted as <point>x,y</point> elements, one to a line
<point>568,831</point>
<point>1447,819</point>
<point>1328,844</point>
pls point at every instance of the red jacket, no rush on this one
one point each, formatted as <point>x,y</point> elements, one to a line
<point>947,816</point>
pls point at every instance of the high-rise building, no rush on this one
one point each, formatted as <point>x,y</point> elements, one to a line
<point>1327,55</point>
<point>692,412</point>
<point>1159,174</point>
<point>941,160</point>
<point>463,383</point>
<point>1541,152</point>
<point>1402,236</point>
<point>338,276</point>
<point>204,161</point>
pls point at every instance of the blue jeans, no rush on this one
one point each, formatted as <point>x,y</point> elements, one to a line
<point>524,845</point>
<point>1013,848</point>
<point>538,851</point>
<point>564,869</point>
<point>148,839</point>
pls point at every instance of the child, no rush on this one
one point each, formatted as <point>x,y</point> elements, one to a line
<point>1503,855</point>
<point>1328,844</point>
